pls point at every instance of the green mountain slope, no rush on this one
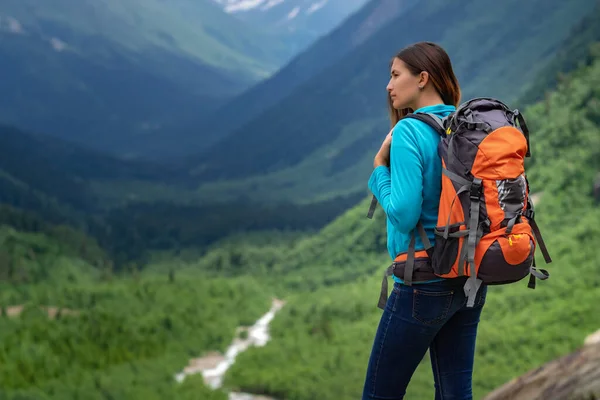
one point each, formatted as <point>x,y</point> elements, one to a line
<point>195,28</point>
<point>118,75</point>
<point>322,340</point>
<point>329,128</point>
<point>59,170</point>
<point>329,49</point>
<point>59,181</point>
<point>72,329</point>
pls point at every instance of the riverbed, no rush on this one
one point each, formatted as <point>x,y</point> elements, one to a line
<point>214,365</point>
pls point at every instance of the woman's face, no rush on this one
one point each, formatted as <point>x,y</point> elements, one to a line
<point>403,86</point>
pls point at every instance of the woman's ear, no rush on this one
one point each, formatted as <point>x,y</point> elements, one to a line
<point>423,79</point>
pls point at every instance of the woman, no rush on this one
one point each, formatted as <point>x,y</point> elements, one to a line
<point>431,314</point>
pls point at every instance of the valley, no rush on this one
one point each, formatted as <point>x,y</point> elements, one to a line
<point>122,76</point>
<point>249,271</point>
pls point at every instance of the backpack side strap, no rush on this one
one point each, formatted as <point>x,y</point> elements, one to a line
<point>409,268</point>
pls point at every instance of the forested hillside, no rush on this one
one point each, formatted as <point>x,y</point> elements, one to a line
<point>57,182</point>
<point>329,49</point>
<point>120,75</point>
<point>73,329</point>
<point>319,140</point>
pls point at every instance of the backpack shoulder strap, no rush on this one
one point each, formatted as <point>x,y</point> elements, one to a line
<point>432,120</point>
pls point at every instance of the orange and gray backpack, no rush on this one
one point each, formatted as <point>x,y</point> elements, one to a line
<point>486,228</point>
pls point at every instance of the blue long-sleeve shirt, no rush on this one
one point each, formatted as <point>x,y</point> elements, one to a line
<point>409,190</point>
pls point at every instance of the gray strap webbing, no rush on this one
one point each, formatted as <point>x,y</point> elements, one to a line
<point>450,154</point>
<point>383,296</point>
<point>459,234</point>
<point>456,178</point>
<point>471,288</point>
<point>372,207</point>
<point>439,121</point>
<point>474,124</point>
<point>447,228</point>
<point>536,232</point>
<point>410,261</point>
<point>410,258</point>
<point>473,283</point>
<point>423,235</point>
<point>462,259</point>
<point>511,224</point>
<point>542,274</point>
<point>409,267</point>
<point>538,238</point>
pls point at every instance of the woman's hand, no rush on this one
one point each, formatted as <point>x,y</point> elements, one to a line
<point>383,155</point>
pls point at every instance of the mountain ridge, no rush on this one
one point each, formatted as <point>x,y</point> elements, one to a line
<point>302,21</point>
<point>271,155</point>
<point>258,99</point>
<point>119,75</point>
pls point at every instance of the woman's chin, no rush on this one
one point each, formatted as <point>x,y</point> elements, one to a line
<point>397,105</point>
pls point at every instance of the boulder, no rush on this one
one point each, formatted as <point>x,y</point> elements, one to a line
<point>575,376</point>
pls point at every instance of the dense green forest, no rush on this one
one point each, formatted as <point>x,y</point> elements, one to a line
<point>51,182</point>
<point>109,335</point>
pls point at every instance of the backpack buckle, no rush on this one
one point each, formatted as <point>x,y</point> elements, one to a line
<point>529,213</point>
<point>475,192</point>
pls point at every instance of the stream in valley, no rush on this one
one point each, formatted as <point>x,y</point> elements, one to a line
<point>214,365</point>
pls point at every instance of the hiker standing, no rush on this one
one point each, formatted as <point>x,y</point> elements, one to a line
<point>451,181</point>
<point>430,314</point>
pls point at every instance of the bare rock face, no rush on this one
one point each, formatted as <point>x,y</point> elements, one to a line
<point>575,376</point>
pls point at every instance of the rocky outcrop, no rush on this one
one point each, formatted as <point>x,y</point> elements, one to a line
<point>575,376</point>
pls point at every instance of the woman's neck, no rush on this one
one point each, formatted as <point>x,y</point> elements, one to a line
<point>428,98</point>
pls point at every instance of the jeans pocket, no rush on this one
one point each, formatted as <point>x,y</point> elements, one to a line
<point>431,307</point>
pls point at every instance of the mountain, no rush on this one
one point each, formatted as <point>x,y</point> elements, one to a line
<point>319,140</point>
<point>200,133</point>
<point>62,183</point>
<point>55,169</point>
<point>116,75</point>
<point>302,21</point>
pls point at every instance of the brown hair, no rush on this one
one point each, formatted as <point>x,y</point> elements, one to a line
<point>429,57</point>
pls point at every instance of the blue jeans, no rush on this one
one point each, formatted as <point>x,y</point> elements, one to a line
<point>416,318</point>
